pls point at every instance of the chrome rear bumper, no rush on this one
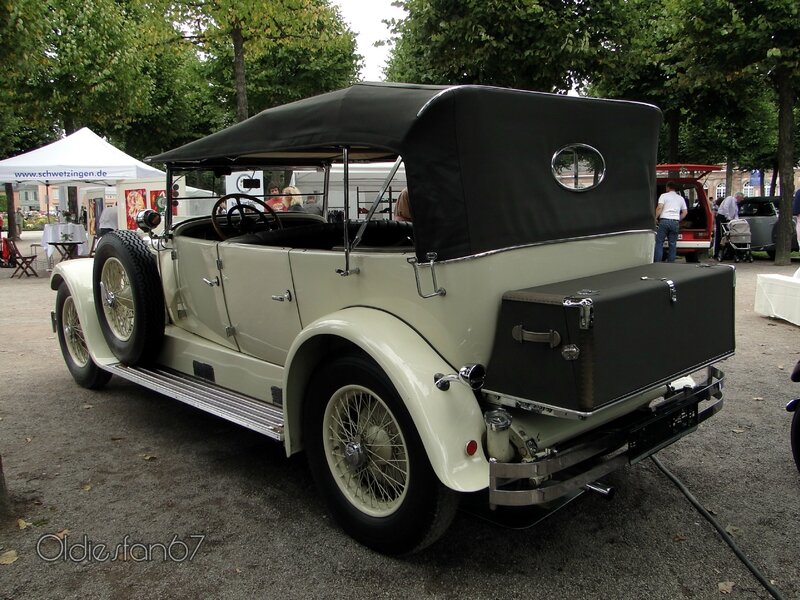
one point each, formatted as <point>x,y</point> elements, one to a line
<point>565,469</point>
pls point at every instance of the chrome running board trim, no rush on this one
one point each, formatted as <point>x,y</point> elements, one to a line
<point>231,406</point>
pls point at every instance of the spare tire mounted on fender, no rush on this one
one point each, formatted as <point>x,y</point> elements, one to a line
<point>128,297</point>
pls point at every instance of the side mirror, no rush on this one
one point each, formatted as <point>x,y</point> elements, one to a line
<point>148,219</point>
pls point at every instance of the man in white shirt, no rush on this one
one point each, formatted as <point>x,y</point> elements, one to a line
<point>670,210</point>
<point>727,211</point>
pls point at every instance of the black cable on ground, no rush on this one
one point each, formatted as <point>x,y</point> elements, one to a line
<point>725,536</point>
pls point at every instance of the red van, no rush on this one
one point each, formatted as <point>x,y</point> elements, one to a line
<point>697,229</point>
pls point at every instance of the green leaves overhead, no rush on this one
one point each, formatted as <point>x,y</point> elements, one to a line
<point>528,44</point>
<point>274,52</point>
<point>151,74</point>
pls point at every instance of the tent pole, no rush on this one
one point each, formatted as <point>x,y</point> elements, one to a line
<point>47,196</point>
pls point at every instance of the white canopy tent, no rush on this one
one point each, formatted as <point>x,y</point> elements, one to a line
<point>81,158</point>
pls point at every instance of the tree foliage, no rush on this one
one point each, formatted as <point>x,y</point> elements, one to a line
<point>93,60</point>
<point>152,74</point>
<point>548,45</point>
<point>273,51</point>
<point>22,26</point>
<point>751,38</point>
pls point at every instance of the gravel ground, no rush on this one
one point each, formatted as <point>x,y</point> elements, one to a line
<point>126,466</point>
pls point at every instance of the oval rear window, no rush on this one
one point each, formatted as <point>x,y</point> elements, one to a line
<point>578,167</point>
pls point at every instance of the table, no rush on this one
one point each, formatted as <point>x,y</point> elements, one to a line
<point>66,249</point>
<point>65,232</point>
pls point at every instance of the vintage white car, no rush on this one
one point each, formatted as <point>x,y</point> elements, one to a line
<point>513,340</point>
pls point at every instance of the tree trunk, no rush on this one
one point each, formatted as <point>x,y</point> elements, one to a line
<point>673,118</point>
<point>728,176</point>
<point>11,210</point>
<point>783,245</point>
<point>239,74</point>
<point>72,202</point>
<point>761,182</point>
<point>69,124</point>
<point>773,181</point>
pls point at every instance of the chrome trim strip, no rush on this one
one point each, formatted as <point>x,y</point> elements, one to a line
<point>547,243</point>
<point>713,384</point>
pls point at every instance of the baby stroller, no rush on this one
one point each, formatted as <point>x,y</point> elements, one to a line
<point>735,240</point>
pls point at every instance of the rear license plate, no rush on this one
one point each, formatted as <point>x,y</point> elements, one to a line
<point>660,431</point>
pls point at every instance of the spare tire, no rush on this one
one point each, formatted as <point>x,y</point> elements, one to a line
<point>128,297</point>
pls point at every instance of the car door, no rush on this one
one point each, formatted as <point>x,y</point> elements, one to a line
<point>259,294</point>
<point>201,297</point>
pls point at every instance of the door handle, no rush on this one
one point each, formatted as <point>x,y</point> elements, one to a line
<point>212,282</point>
<point>286,297</point>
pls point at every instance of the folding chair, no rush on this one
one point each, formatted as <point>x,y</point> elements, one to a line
<point>24,263</point>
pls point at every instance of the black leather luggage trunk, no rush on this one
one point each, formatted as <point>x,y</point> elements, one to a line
<point>584,343</point>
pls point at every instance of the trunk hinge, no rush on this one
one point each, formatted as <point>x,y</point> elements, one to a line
<point>585,310</point>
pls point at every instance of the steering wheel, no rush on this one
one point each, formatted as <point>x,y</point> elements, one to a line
<point>244,224</point>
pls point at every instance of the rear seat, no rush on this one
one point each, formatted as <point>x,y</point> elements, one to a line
<point>326,236</point>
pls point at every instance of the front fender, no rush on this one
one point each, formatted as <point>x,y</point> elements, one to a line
<point>445,420</point>
<point>77,274</point>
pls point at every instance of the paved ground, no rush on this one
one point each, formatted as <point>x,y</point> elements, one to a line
<point>128,466</point>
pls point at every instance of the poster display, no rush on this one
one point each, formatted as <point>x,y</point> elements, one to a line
<point>135,200</point>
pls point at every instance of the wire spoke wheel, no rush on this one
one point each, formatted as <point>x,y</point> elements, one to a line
<point>366,451</point>
<point>128,297</point>
<point>368,461</point>
<point>73,333</point>
<point>73,344</point>
<point>117,299</point>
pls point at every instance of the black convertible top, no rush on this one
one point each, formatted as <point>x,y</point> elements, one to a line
<point>477,159</point>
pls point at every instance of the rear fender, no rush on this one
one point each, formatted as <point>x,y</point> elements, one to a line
<point>77,274</point>
<point>445,420</point>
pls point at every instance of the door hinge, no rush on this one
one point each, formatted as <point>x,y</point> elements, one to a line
<point>230,330</point>
<point>219,264</point>
<point>174,255</point>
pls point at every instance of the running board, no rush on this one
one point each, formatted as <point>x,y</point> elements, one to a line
<point>237,408</point>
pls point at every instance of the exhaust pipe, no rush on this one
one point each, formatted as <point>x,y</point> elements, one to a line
<point>601,488</point>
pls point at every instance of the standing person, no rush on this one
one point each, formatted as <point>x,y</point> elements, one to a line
<point>275,201</point>
<point>19,220</point>
<point>107,221</point>
<point>670,210</point>
<point>292,199</point>
<point>311,206</point>
<point>402,210</point>
<point>727,211</point>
